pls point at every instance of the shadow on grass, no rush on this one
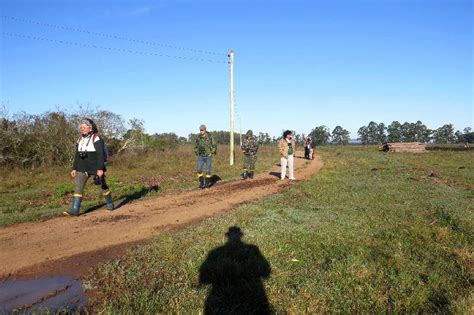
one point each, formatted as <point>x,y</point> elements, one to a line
<point>235,271</point>
<point>126,199</point>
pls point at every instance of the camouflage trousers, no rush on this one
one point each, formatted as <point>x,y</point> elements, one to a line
<point>249,162</point>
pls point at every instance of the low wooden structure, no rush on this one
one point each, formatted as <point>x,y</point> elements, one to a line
<point>415,147</point>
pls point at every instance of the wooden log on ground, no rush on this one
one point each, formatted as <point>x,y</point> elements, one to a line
<point>415,147</point>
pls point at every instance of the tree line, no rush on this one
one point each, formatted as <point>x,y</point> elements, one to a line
<point>50,138</point>
<point>378,133</point>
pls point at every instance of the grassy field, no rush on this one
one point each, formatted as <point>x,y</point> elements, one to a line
<point>28,195</point>
<point>372,232</point>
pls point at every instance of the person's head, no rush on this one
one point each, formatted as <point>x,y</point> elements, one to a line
<point>87,126</point>
<point>287,135</point>
<point>234,233</point>
<point>249,134</point>
<point>202,130</point>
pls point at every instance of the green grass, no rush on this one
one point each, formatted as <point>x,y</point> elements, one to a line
<point>29,195</point>
<point>372,232</point>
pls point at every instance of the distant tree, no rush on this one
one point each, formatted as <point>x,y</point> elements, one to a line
<point>363,133</point>
<point>421,132</point>
<point>459,136</point>
<point>394,131</point>
<point>340,135</point>
<point>464,137</point>
<point>320,135</point>
<point>468,135</point>
<point>408,132</point>
<point>381,136</point>
<point>373,132</point>
<point>135,136</point>
<point>444,134</point>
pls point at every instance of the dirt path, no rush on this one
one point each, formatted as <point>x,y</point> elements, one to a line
<point>71,245</point>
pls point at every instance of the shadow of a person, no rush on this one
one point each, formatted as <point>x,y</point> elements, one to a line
<point>235,271</point>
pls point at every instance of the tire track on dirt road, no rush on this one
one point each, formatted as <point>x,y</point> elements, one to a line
<point>71,245</point>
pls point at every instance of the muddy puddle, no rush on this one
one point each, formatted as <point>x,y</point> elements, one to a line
<point>53,294</point>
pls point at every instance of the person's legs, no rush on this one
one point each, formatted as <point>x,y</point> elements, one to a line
<point>79,183</point>
<point>200,163</point>
<point>246,166</point>
<point>253,159</point>
<point>283,163</point>
<point>291,160</point>
<point>208,161</point>
<point>106,193</point>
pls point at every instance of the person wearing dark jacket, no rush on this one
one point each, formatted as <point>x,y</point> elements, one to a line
<point>249,149</point>
<point>88,161</point>
<point>204,148</point>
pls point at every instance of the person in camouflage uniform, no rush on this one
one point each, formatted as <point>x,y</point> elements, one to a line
<point>249,148</point>
<point>204,148</point>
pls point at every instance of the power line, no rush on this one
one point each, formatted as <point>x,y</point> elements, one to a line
<point>138,52</point>
<point>68,28</point>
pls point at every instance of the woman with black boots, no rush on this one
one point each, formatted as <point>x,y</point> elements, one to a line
<point>89,160</point>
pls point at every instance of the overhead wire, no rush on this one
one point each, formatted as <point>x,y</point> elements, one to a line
<point>146,42</point>
<point>88,45</point>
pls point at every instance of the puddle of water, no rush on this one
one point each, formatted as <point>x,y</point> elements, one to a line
<point>32,295</point>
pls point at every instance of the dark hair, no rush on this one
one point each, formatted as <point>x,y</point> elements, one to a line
<point>94,126</point>
<point>286,133</point>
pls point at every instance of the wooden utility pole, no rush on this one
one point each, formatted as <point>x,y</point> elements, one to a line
<point>231,63</point>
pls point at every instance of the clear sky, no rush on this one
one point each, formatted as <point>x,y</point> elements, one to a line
<point>298,64</point>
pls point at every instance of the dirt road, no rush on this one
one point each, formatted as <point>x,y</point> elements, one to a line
<point>71,245</point>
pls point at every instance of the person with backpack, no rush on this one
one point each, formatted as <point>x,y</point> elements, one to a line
<point>89,160</point>
<point>205,147</point>
<point>287,148</point>
<point>249,148</point>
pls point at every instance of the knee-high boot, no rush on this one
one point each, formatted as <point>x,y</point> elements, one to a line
<point>76,205</point>
<point>110,202</point>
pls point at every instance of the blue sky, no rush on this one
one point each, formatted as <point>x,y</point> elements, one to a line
<point>298,64</point>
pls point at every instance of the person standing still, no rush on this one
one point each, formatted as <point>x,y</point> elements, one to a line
<point>249,148</point>
<point>287,148</point>
<point>204,148</point>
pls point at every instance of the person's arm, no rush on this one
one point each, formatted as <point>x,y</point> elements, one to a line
<point>196,148</point>
<point>75,162</point>
<point>213,145</point>
<point>282,148</point>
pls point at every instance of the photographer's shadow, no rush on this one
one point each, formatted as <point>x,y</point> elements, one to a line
<point>236,271</point>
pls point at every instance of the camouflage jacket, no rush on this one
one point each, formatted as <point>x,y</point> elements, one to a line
<point>205,146</point>
<point>250,146</point>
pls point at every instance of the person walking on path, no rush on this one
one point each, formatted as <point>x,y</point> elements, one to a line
<point>205,147</point>
<point>310,148</point>
<point>306,148</point>
<point>89,160</point>
<point>287,148</point>
<point>249,148</point>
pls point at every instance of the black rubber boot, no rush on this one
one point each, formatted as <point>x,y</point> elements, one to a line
<point>250,175</point>
<point>201,182</point>
<point>244,175</point>
<point>110,202</point>
<point>208,182</point>
<point>76,207</point>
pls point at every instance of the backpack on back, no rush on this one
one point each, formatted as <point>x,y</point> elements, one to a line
<point>105,152</point>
